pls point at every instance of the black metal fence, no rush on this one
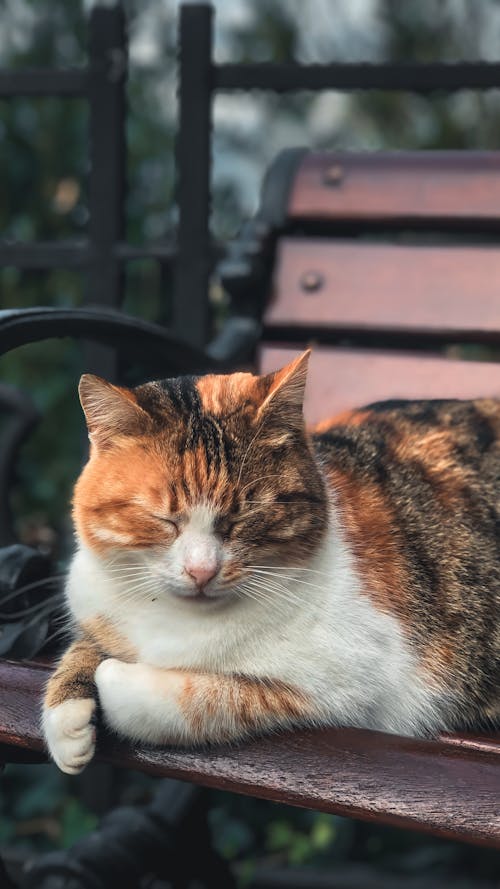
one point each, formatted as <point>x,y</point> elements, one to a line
<point>103,83</point>
<point>102,255</point>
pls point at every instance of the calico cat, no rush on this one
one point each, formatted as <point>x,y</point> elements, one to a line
<point>238,574</point>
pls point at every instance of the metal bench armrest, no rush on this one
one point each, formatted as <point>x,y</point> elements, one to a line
<point>130,336</point>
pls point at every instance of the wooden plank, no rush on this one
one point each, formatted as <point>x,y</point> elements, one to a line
<point>344,378</point>
<point>349,286</point>
<point>436,786</point>
<point>455,186</point>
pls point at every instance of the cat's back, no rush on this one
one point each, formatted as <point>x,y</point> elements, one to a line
<point>416,486</point>
<point>443,441</point>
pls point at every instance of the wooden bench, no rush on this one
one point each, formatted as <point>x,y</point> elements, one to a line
<point>388,265</point>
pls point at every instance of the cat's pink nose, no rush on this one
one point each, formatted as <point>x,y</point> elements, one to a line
<point>202,573</point>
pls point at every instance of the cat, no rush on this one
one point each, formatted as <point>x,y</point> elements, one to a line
<point>237,574</point>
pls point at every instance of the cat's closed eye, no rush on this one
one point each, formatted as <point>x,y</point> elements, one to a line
<point>169,524</point>
<point>227,527</point>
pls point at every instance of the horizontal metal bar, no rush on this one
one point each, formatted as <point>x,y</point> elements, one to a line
<point>71,83</point>
<point>420,78</point>
<point>53,255</point>
<point>78,254</point>
<point>74,254</point>
<point>282,78</point>
<point>160,252</point>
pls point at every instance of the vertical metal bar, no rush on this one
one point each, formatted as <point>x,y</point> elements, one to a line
<point>108,71</point>
<point>190,307</point>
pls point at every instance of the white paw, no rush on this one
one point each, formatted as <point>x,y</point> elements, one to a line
<point>70,733</point>
<point>139,702</point>
<point>115,686</point>
<point>111,678</point>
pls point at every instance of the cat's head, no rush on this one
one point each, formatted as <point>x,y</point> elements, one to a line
<point>198,485</point>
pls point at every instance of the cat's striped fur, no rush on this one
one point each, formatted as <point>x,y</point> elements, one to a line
<point>236,573</point>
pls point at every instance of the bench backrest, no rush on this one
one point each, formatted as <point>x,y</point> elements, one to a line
<point>390,265</point>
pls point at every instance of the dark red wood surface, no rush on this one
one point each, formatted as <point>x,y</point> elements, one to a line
<point>454,186</point>
<point>355,286</point>
<point>450,786</point>
<point>344,378</point>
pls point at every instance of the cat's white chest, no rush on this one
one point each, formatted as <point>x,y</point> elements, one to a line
<point>328,640</point>
<point>166,638</point>
<point>230,640</point>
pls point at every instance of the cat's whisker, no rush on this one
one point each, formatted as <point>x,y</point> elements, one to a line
<point>245,589</point>
<point>278,580</point>
<point>31,609</point>
<point>276,597</point>
<point>63,617</point>
<point>270,598</point>
<point>245,594</point>
<point>138,591</point>
<point>248,584</point>
<point>59,632</point>
<point>283,591</point>
<point>280,591</point>
<point>37,618</point>
<point>256,596</point>
<point>284,595</point>
<point>290,577</point>
<point>126,584</point>
<point>291,568</point>
<point>125,565</point>
<point>281,576</point>
<point>260,478</point>
<point>136,572</point>
<point>269,502</point>
<point>249,448</point>
<point>45,581</point>
<point>125,570</point>
<point>116,567</point>
<point>149,582</point>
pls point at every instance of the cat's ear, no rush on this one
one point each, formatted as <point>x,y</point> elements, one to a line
<point>109,410</point>
<point>285,390</point>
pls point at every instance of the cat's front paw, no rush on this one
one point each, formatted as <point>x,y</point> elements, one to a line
<point>111,678</point>
<point>117,690</point>
<point>141,702</point>
<point>70,733</point>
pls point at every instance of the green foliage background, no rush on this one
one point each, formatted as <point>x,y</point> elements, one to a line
<point>44,159</point>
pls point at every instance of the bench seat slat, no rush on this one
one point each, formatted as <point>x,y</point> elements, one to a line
<point>444,786</point>
<point>350,286</point>
<point>454,186</point>
<point>341,378</point>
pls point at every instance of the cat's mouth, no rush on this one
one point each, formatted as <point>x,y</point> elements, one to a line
<point>201,597</point>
